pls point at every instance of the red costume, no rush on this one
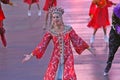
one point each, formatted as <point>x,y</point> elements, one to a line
<point>49,3</point>
<point>99,13</point>
<point>62,49</point>
<point>31,1</point>
<point>2,17</point>
<point>1,12</point>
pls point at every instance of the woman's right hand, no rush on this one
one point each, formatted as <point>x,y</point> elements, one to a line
<point>11,4</point>
<point>27,57</point>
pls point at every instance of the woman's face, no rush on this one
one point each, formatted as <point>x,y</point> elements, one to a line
<point>57,19</point>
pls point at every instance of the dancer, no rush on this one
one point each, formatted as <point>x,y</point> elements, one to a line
<point>99,17</point>
<point>61,66</point>
<point>30,2</point>
<point>47,6</point>
<point>114,40</point>
<point>2,17</point>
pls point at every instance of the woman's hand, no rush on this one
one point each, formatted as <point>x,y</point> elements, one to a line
<point>90,18</point>
<point>27,57</point>
<point>11,4</point>
<point>92,51</point>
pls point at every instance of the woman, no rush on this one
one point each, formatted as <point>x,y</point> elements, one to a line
<point>99,17</point>
<point>30,2</point>
<point>2,17</point>
<point>47,6</point>
<point>61,66</point>
<point>114,40</point>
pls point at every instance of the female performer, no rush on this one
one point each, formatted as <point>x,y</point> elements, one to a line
<point>99,17</point>
<point>30,2</point>
<point>61,65</point>
<point>2,17</point>
<point>114,40</point>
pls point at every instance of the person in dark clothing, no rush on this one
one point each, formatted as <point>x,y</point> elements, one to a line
<point>114,39</point>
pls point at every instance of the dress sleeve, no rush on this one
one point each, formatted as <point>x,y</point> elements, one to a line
<point>40,49</point>
<point>109,3</point>
<point>5,1</point>
<point>78,43</point>
<point>92,9</point>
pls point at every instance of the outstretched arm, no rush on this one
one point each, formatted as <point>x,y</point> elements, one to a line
<point>92,9</point>
<point>110,3</point>
<point>40,49</point>
<point>79,44</point>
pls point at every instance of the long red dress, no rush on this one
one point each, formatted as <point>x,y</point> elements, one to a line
<point>49,3</point>
<point>100,14</point>
<point>31,1</point>
<point>62,48</point>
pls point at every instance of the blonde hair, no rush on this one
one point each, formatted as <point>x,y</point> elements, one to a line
<point>55,10</point>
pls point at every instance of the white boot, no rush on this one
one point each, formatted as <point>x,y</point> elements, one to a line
<point>105,73</point>
<point>39,13</point>
<point>29,13</point>
<point>92,39</point>
<point>106,39</point>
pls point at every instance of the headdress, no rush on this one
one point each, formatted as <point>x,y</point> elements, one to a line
<point>58,10</point>
<point>117,10</point>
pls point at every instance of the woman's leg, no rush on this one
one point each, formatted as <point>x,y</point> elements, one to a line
<point>2,34</point>
<point>92,39</point>
<point>3,39</point>
<point>39,11</point>
<point>29,10</point>
<point>112,51</point>
<point>113,47</point>
<point>105,35</point>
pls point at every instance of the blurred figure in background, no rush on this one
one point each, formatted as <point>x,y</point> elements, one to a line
<point>99,17</point>
<point>2,17</point>
<point>30,2</point>
<point>114,39</point>
<point>48,4</point>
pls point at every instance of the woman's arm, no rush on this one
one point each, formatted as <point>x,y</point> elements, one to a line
<point>78,43</point>
<point>40,49</point>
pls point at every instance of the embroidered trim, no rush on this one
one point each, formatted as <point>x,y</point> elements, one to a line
<point>67,29</point>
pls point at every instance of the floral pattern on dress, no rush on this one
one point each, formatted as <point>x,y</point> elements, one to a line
<point>68,36</point>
